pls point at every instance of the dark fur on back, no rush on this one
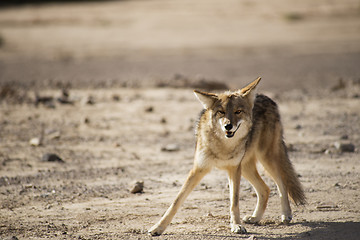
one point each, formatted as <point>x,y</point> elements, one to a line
<point>265,109</point>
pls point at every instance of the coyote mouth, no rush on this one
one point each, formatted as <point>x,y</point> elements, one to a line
<point>230,134</point>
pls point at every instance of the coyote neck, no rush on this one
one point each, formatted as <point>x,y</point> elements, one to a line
<point>221,153</point>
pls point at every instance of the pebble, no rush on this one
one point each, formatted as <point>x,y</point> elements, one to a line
<point>344,137</point>
<point>298,127</point>
<point>344,147</point>
<point>11,238</point>
<point>149,109</point>
<point>54,135</point>
<point>86,120</point>
<point>116,98</point>
<point>65,100</point>
<point>163,120</point>
<point>138,187</point>
<point>89,100</point>
<point>291,148</point>
<point>35,142</point>
<point>51,157</point>
<point>329,151</point>
<point>173,147</point>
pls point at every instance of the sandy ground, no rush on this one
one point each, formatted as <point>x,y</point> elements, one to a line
<point>113,57</point>
<point>109,145</point>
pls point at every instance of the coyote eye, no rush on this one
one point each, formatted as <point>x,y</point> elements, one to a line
<point>238,111</point>
<point>221,112</point>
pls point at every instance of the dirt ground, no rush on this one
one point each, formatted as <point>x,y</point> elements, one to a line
<point>107,87</point>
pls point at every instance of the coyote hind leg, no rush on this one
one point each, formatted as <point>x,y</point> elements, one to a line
<point>274,165</point>
<point>194,177</point>
<point>250,172</point>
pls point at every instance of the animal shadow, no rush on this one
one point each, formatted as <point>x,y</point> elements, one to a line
<point>326,231</point>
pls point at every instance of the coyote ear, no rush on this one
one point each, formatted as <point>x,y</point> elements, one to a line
<point>248,89</point>
<point>206,99</point>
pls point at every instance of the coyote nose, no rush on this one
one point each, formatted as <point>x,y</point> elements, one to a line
<point>228,126</point>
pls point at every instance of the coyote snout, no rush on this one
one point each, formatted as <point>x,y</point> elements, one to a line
<point>229,129</point>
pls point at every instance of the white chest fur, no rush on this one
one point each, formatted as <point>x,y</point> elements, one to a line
<point>220,153</point>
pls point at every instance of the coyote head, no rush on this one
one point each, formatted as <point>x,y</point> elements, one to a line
<point>230,111</point>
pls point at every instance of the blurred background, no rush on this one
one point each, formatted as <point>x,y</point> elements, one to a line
<point>149,43</point>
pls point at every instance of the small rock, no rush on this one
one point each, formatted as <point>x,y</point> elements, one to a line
<point>46,100</point>
<point>298,127</point>
<point>54,135</point>
<point>149,109</point>
<point>51,157</point>
<point>64,98</point>
<point>89,100</point>
<point>116,98</point>
<point>35,142</point>
<point>11,238</point>
<point>163,120</point>
<point>86,120</point>
<point>356,95</point>
<point>171,148</point>
<point>135,156</point>
<point>329,151</point>
<point>138,187</point>
<point>311,190</point>
<point>320,150</point>
<point>344,137</point>
<point>291,148</point>
<point>344,147</point>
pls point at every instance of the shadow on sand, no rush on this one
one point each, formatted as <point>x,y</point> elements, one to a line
<point>325,231</point>
<point>319,231</point>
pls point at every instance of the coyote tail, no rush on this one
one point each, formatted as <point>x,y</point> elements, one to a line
<point>291,180</point>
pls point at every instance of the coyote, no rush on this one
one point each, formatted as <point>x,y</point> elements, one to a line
<point>235,130</point>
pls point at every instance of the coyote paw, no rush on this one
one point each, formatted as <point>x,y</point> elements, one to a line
<point>156,230</point>
<point>286,219</point>
<point>250,219</point>
<point>237,228</point>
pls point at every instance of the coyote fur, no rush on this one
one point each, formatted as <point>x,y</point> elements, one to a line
<point>235,130</point>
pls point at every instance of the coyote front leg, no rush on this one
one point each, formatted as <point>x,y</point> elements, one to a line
<point>194,177</point>
<point>234,185</point>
